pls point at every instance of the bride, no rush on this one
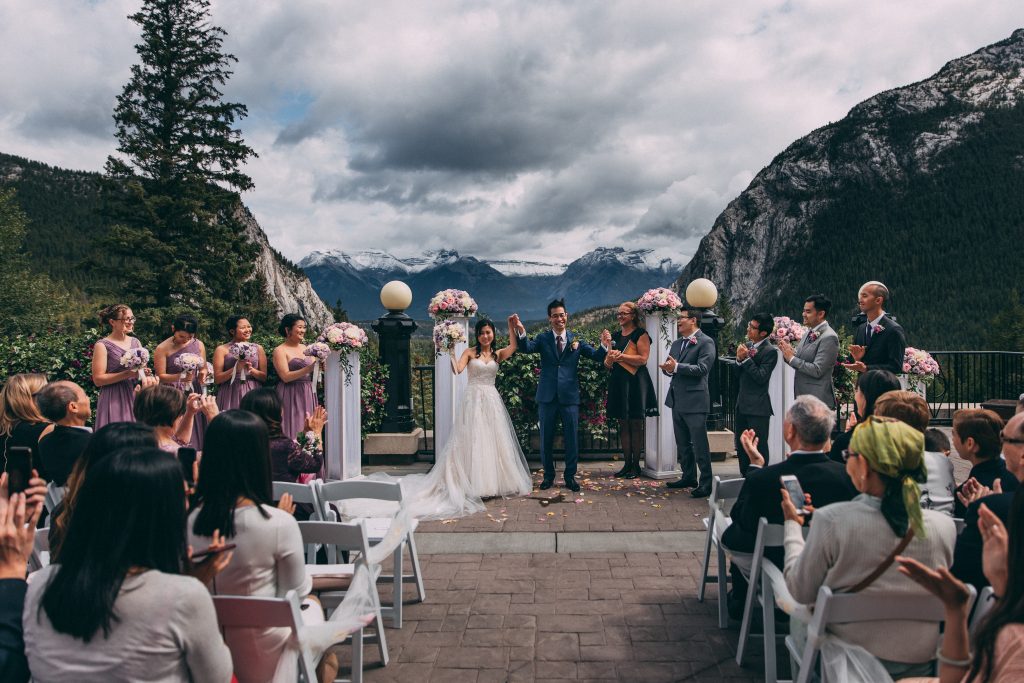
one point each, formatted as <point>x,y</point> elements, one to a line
<point>482,458</point>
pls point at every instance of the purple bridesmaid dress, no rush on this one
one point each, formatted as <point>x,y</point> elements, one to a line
<point>116,401</point>
<point>199,425</point>
<point>297,399</point>
<point>229,394</point>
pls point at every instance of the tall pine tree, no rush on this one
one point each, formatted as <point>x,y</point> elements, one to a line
<point>172,190</point>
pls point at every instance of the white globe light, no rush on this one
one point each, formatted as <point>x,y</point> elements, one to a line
<point>701,293</point>
<point>396,296</point>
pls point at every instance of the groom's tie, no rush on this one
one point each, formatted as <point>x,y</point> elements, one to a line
<point>559,344</point>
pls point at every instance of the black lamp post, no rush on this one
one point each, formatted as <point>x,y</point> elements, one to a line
<point>394,331</point>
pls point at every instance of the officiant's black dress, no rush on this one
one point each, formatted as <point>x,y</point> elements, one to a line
<point>630,397</point>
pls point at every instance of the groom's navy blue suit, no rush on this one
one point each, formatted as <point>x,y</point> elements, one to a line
<point>558,394</point>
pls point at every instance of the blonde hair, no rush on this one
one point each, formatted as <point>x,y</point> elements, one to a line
<point>635,310</point>
<point>17,401</point>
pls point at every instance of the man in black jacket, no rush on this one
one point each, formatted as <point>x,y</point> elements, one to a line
<point>879,342</point>
<point>978,438</point>
<point>67,406</point>
<point>806,429</point>
<point>754,363</point>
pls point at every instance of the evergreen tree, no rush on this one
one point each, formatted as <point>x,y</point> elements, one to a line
<point>339,312</point>
<point>172,191</point>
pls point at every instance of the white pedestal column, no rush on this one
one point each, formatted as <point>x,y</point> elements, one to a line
<point>780,389</point>
<point>448,391</point>
<point>660,460</point>
<point>915,384</point>
<point>344,417</point>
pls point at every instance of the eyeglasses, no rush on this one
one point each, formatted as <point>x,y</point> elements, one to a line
<point>753,326</point>
<point>126,320</point>
<point>847,454</point>
<point>557,315</point>
<point>1006,439</point>
<point>622,313</point>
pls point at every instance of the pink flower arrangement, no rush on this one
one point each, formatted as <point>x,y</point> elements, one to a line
<point>451,303</point>
<point>317,350</point>
<point>919,362</point>
<point>342,336</point>
<point>659,300</point>
<point>787,329</point>
<point>189,362</point>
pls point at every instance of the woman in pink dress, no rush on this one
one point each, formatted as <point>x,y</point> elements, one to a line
<point>227,370</point>
<point>183,340</point>
<point>116,385</point>
<point>298,397</point>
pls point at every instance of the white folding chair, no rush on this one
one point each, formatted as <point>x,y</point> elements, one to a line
<point>722,492</point>
<point>40,556</point>
<point>848,608</point>
<point>54,495</point>
<point>305,494</point>
<point>251,612</point>
<point>768,536</point>
<point>960,524</point>
<point>986,601</point>
<point>330,581</point>
<point>376,529</point>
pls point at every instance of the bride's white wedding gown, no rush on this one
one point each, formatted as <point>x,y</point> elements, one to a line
<point>482,458</point>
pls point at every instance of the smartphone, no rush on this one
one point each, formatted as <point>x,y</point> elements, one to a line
<point>203,554</point>
<point>187,458</point>
<point>796,492</point>
<point>18,468</point>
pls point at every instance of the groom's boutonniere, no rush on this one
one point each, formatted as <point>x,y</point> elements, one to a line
<point>876,329</point>
<point>813,336</point>
<point>753,351</point>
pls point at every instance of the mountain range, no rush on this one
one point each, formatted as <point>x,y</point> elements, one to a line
<point>606,275</point>
<point>920,187</point>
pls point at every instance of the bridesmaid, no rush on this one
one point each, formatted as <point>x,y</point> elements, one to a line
<point>183,340</point>
<point>230,392</point>
<point>116,385</point>
<point>298,398</point>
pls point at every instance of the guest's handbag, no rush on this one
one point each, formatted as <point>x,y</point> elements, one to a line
<point>885,564</point>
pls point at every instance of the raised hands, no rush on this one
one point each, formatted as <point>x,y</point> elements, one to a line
<point>517,325</point>
<point>939,582</point>
<point>749,441</point>
<point>315,422</point>
<point>742,352</point>
<point>786,348</point>
<point>286,503</point>
<point>857,365</point>
<point>972,490</point>
<point>215,561</point>
<point>995,552</point>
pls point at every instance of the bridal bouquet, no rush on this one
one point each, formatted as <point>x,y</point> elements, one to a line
<point>919,366</point>
<point>344,337</point>
<point>135,359</point>
<point>189,362</point>
<point>447,334</point>
<point>787,329</point>
<point>242,351</point>
<point>660,300</point>
<point>318,351</point>
<point>451,303</point>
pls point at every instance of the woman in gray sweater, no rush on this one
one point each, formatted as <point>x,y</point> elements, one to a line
<point>119,606</point>
<point>848,541</point>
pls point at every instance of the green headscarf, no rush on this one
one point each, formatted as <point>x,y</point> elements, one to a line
<point>896,451</point>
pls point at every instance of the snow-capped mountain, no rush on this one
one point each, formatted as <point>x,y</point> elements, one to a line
<point>603,276</point>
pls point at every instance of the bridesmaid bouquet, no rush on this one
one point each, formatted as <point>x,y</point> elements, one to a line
<point>447,334</point>
<point>451,303</point>
<point>135,359</point>
<point>787,329</point>
<point>189,362</point>
<point>344,337</point>
<point>319,352</point>
<point>242,351</point>
<point>660,300</point>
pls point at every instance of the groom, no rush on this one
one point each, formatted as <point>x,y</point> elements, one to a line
<point>558,391</point>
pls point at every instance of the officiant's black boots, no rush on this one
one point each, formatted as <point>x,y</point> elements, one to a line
<point>625,441</point>
<point>636,443</point>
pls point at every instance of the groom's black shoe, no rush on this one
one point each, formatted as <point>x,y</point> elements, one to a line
<point>545,485</point>
<point>680,484</point>
<point>572,485</point>
<point>701,492</point>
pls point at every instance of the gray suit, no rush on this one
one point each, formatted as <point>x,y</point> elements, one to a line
<point>814,362</point>
<point>753,404</point>
<point>690,401</point>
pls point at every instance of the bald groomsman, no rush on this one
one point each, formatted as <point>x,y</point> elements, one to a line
<point>878,343</point>
<point>815,356</point>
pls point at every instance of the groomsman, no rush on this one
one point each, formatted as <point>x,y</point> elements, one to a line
<point>690,360</point>
<point>754,363</point>
<point>879,342</point>
<point>815,356</point>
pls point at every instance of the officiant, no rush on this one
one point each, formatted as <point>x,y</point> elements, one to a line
<point>631,396</point>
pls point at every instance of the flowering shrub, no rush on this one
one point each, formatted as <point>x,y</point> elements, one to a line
<point>451,303</point>
<point>787,329</point>
<point>447,334</point>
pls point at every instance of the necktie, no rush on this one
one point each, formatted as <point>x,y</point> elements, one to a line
<point>559,343</point>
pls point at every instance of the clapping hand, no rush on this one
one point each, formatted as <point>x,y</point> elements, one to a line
<point>286,503</point>
<point>742,352</point>
<point>857,351</point>
<point>315,422</point>
<point>994,554</point>
<point>749,441</point>
<point>214,563</point>
<point>606,338</point>
<point>973,490</point>
<point>786,348</point>
<point>669,365</point>
<point>939,582</point>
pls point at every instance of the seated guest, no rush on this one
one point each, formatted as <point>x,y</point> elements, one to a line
<point>806,428</point>
<point>998,647</point>
<point>870,386</point>
<point>909,407</point>
<point>21,423</point>
<point>111,437</point>
<point>67,406</point>
<point>287,458</point>
<point>850,542</point>
<point>119,605</point>
<point>936,441</point>
<point>976,437</point>
<point>233,495</point>
<point>967,565</point>
<point>171,414</point>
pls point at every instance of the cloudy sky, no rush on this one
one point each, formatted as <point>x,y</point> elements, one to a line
<point>502,128</point>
